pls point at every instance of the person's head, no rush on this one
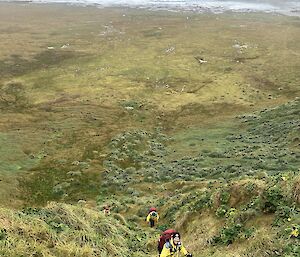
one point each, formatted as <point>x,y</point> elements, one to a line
<point>176,238</point>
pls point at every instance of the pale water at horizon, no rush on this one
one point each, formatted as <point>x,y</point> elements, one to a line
<point>290,7</point>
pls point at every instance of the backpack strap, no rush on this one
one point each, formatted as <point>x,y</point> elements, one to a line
<point>169,246</point>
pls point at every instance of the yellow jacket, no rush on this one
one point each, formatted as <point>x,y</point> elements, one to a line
<point>150,217</point>
<point>171,250</point>
<point>295,232</point>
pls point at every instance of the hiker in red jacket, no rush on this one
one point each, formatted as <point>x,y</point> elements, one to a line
<point>152,217</point>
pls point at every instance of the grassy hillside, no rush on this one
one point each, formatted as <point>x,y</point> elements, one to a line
<point>242,193</point>
<point>197,114</point>
<point>221,210</point>
<point>65,230</point>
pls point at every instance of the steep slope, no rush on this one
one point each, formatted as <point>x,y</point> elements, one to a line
<point>65,230</point>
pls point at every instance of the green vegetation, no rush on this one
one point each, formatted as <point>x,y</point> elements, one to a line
<point>117,109</point>
<point>263,146</point>
<point>64,230</point>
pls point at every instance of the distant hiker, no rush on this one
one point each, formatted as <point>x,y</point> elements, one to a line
<point>152,217</point>
<point>295,232</point>
<point>106,210</point>
<point>174,247</point>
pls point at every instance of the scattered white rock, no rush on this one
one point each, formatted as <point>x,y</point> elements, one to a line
<point>75,163</point>
<point>50,47</point>
<point>238,46</point>
<point>170,49</point>
<point>202,61</point>
<point>65,46</point>
<point>81,202</point>
<point>129,108</point>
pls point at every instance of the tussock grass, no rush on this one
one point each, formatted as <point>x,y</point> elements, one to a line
<point>64,230</point>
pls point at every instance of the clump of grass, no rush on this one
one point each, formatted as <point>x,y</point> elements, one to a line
<point>64,230</point>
